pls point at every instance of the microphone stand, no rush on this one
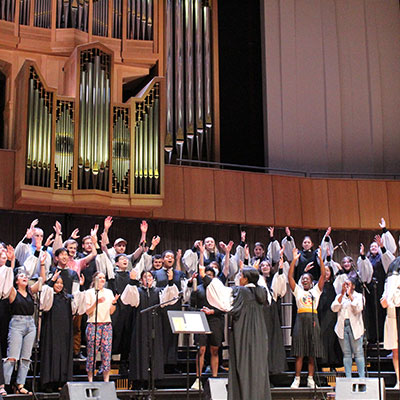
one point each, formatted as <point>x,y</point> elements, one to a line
<point>38,318</point>
<point>95,329</point>
<point>153,309</point>
<point>375,283</point>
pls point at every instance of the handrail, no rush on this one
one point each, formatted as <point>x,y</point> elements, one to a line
<point>291,172</point>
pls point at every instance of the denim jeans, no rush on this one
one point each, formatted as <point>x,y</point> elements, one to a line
<point>21,337</point>
<point>349,347</point>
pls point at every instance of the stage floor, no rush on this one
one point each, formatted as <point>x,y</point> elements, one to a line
<point>172,394</point>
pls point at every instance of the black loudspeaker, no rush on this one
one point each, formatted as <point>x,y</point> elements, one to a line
<point>216,389</point>
<point>89,390</point>
<point>359,388</point>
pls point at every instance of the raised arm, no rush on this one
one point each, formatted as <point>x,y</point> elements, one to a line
<point>321,281</point>
<point>295,257</point>
<point>227,249</point>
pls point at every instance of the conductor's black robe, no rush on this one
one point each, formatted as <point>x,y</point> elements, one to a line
<point>248,340</point>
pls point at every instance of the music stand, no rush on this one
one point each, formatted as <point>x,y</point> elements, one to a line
<point>188,322</point>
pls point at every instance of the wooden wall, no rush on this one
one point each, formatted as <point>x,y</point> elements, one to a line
<point>230,197</point>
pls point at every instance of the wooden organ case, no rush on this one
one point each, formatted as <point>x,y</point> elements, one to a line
<point>87,149</point>
<point>79,141</point>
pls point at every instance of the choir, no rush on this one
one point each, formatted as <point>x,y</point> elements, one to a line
<point>336,306</point>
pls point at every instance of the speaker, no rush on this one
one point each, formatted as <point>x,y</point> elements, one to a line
<point>216,389</point>
<point>359,388</point>
<point>89,390</point>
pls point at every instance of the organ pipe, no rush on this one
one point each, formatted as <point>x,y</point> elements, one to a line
<point>189,86</point>
<point>146,131</point>
<point>64,146</point>
<point>94,132</point>
<point>121,151</point>
<point>38,154</point>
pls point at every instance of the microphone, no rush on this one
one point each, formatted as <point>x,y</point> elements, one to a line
<point>96,284</point>
<point>340,244</point>
<point>194,284</point>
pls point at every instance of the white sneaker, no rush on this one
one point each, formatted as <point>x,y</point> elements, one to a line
<point>296,383</point>
<point>311,383</point>
<point>196,385</point>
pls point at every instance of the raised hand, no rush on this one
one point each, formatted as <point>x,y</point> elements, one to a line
<point>193,276</point>
<point>328,231</point>
<point>382,224</point>
<point>56,275</point>
<point>228,247</point>
<point>155,241</point>
<point>256,265</point>
<point>144,226</point>
<point>74,234</point>
<point>379,240</point>
<point>243,236</point>
<point>309,266</point>
<point>296,254</point>
<point>43,258</point>
<point>133,274</point>
<point>107,223</point>
<point>178,255</point>
<point>10,253</point>
<point>200,246</point>
<point>271,231</point>
<point>222,245</point>
<point>49,240</point>
<point>344,288</point>
<point>57,228</point>
<point>362,249</point>
<point>287,231</point>
<point>33,224</point>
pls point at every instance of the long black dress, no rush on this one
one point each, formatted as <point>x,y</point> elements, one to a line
<point>333,356</point>
<point>248,344</point>
<point>373,304</point>
<point>141,338</point>
<point>56,341</point>
<point>122,317</point>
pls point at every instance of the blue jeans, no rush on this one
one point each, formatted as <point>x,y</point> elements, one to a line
<point>21,337</point>
<point>349,347</point>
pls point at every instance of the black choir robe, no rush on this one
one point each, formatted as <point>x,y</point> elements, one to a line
<point>141,338</point>
<point>56,341</point>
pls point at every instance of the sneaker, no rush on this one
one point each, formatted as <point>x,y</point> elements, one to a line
<point>296,383</point>
<point>311,383</point>
<point>397,387</point>
<point>79,356</point>
<point>196,385</point>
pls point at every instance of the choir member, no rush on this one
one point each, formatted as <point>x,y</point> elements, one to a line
<point>378,260</point>
<point>248,341</point>
<point>390,300</point>
<point>101,303</point>
<point>333,356</point>
<point>141,295</point>
<point>22,328</point>
<point>56,339</point>
<point>179,279</point>
<point>306,341</point>
<point>350,327</point>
